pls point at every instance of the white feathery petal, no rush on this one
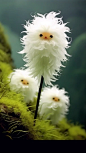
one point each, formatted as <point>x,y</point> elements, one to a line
<point>45,55</point>
<point>22,82</point>
<point>53,109</point>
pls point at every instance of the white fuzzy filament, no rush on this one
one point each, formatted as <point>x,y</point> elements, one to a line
<point>22,82</point>
<point>44,56</point>
<point>54,104</point>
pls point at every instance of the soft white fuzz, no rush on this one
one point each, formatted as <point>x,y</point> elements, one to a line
<point>22,82</point>
<point>51,108</point>
<point>44,56</point>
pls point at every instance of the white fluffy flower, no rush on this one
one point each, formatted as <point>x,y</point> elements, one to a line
<point>54,104</point>
<point>45,45</point>
<point>22,82</point>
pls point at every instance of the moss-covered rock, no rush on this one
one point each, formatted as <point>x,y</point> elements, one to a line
<point>12,103</point>
<point>20,122</point>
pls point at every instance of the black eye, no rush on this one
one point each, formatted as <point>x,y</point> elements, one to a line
<point>53,98</point>
<point>41,35</point>
<point>51,36</point>
<point>21,80</point>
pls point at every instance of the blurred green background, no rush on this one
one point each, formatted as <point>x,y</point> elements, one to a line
<point>14,13</point>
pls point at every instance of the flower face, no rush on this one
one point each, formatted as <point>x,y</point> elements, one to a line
<point>45,45</point>
<point>22,82</point>
<point>46,36</point>
<point>25,82</point>
<point>56,99</point>
<point>54,104</point>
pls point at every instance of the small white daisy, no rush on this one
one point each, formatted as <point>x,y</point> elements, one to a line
<point>22,82</point>
<point>54,104</point>
<point>45,45</point>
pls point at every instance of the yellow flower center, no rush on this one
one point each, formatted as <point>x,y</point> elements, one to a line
<point>46,36</point>
<point>25,82</point>
<point>56,99</point>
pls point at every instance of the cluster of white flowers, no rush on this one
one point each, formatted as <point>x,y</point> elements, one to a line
<point>54,104</point>
<point>45,45</point>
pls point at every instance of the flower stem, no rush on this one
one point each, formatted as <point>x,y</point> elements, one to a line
<point>38,99</point>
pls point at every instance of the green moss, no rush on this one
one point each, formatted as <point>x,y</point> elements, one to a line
<point>4,57</point>
<point>5,70</point>
<point>32,105</point>
<point>74,132</point>
<point>4,45</point>
<point>64,125</point>
<point>77,133</point>
<point>5,50</point>
<point>14,103</point>
<point>48,131</point>
<point>42,129</point>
